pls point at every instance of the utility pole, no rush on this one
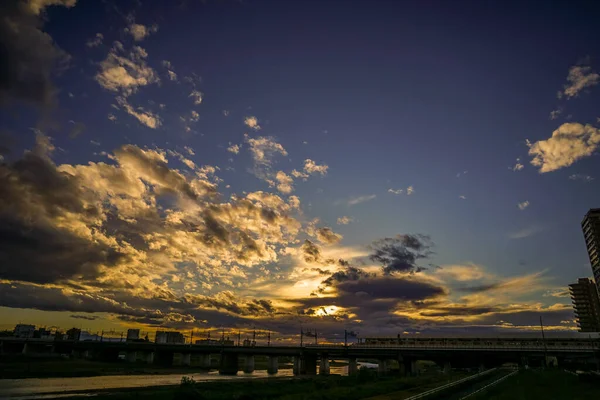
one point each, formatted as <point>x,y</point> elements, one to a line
<point>254,337</point>
<point>301,335</point>
<point>345,338</point>
<point>316,337</point>
<point>192,337</point>
<point>239,337</point>
<point>269,338</point>
<point>544,342</point>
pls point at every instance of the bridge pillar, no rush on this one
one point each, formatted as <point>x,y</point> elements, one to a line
<point>273,365</point>
<point>410,367</point>
<point>297,365</point>
<point>150,357</point>
<point>308,365</point>
<point>324,365</point>
<point>447,367</point>
<point>24,348</point>
<point>524,363</point>
<point>249,364</point>
<point>229,364</point>
<point>383,366</point>
<point>131,356</point>
<point>205,361</point>
<point>352,366</point>
<point>186,359</point>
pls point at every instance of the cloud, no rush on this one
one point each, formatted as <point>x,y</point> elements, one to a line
<point>579,78</point>
<point>463,197</point>
<point>458,175</point>
<point>581,177</point>
<point>523,205</point>
<point>525,232</point>
<point>29,55</point>
<point>197,96</point>
<point>299,174</point>
<point>401,253</point>
<point>233,148</point>
<point>139,32</point>
<point>125,72</point>
<point>360,199</point>
<point>252,123</point>
<point>569,143</point>
<point>145,117</point>
<point>285,184</point>
<point>327,236</point>
<point>518,166</point>
<point>310,167</point>
<point>555,113</point>
<point>409,190</point>
<point>344,220</point>
<point>396,191</point>
<point>263,149</point>
<point>95,41</point>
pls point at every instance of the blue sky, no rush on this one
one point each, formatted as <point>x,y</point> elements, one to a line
<point>405,117</point>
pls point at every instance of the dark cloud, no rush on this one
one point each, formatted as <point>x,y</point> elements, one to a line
<point>480,288</point>
<point>87,317</point>
<point>44,254</point>
<point>311,252</point>
<point>349,274</point>
<point>401,253</point>
<point>77,129</point>
<point>28,56</point>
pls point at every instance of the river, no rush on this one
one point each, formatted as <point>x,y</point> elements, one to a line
<point>45,388</point>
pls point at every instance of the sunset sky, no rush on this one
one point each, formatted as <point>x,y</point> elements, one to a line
<point>380,166</point>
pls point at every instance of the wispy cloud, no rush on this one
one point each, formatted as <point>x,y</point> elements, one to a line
<point>360,199</point>
<point>579,78</point>
<point>523,205</point>
<point>525,232</point>
<point>580,177</point>
<point>344,220</point>
<point>518,166</point>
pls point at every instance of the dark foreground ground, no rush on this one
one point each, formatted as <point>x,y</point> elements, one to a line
<point>538,384</point>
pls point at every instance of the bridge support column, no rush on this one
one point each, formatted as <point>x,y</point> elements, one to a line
<point>352,366</point>
<point>131,356</point>
<point>249,364</point>
<point>324,365</point>
<point>308,365</point>
<point>410,367</point>
<point>447,367</point>
<point>273,365</point>
<point>524,363</point>
<point>24,348</point>
<point>186,359</point>
<point>297,365</point>
<point>229,364</point>
<point>205,361</point>
<point>383,366</point>
<point>150,357</point>
<point>481,367</point>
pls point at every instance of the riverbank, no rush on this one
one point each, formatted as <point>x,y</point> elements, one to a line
<point>366,384</point>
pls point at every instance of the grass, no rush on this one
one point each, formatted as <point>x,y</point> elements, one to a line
<point>538,384</point>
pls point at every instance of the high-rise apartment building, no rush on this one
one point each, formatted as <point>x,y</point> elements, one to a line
<point>591,233</point>
<point>587,305</point>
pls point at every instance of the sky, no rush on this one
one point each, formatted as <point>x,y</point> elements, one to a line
<point>387,167</point>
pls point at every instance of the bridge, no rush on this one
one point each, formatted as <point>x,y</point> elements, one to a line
<point>447,353</point>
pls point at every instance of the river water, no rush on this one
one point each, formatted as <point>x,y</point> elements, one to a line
<point>45,388</point>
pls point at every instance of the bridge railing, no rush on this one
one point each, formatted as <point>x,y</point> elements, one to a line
<point>495,347</point>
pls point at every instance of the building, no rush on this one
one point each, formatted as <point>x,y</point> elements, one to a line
<point>133,334</point>
<point>169,337</point>
<point>24,331</point>
<point>74,334</point>
<point>586,304</point>
<point>42,333</point>
<point>591,233</point>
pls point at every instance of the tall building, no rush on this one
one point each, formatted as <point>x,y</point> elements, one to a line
<point>169,337</point>
<point>591,233</point>
<point>587,305</point>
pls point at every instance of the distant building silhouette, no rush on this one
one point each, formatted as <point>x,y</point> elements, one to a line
<point>133,334</point>
<point>74,334</point>
<point>24,331</point>
<point>169,337</point>
<point>587,305</point>
<point>591,233</point>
